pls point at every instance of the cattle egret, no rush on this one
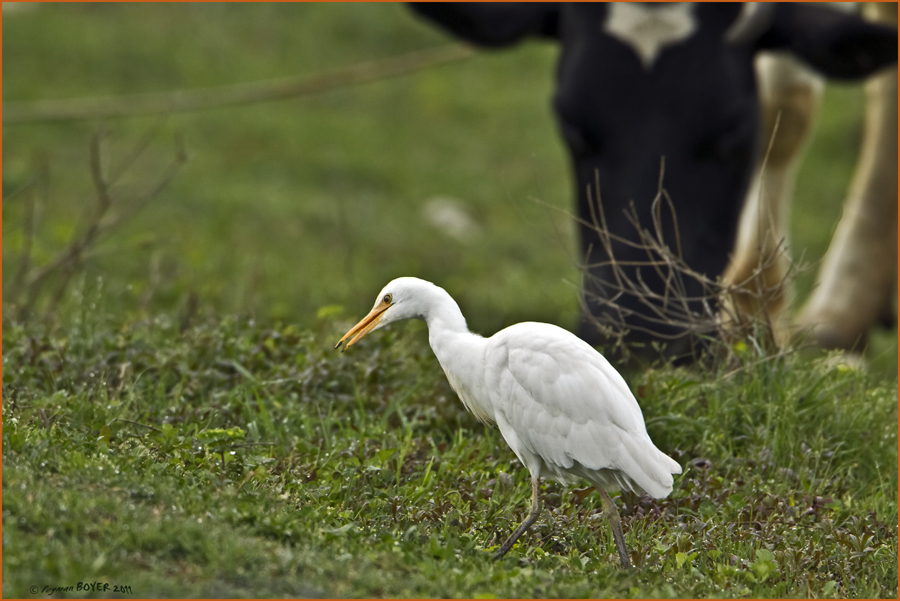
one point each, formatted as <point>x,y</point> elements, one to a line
<point>559,404</point>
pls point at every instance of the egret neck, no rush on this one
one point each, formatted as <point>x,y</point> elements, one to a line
<point>459,351</point>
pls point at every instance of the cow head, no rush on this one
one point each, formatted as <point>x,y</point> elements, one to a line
<point>639,86</point>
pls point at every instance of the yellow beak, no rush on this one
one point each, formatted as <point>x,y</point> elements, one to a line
<point>365,326</point>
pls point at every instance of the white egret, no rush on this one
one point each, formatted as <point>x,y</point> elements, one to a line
<point>559,404</point>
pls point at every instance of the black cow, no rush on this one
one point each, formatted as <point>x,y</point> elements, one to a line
<point>639,83</point>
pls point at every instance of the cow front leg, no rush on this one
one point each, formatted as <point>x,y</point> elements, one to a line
<point>790,96</point>
<point>855,283</point>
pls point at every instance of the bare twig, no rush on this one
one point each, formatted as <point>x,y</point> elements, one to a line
<point>66,261</point>
<point>122,419</point>
<point>151,193</point>
<point>208,98</point>
<point>254,444</point>
<point>139,148</point>
<point>27,242</point>
<point>153,280</point>
<point>8,196</point>
<point>108,214</point>
<point>667,307</point>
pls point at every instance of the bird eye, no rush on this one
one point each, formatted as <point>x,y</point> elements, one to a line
<point>387,299</point>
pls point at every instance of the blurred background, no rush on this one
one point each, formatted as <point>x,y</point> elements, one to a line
<point>302,209</point>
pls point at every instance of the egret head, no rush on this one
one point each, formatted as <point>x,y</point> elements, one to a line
<point>403,298</point>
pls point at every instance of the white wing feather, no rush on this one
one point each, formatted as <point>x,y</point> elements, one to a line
<point>566,412</point>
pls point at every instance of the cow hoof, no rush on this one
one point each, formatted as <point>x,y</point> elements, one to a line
<point>847,361</point>
<point>830,337</point>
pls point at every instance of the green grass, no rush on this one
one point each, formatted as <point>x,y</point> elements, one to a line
<point>229,451</point>
<point>375,482</point>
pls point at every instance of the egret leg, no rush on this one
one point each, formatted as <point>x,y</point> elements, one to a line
<point>531,519</point>
<point>612,514</point>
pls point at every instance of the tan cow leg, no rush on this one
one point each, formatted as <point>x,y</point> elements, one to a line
<point>790,95</point>
<point>856,281</point>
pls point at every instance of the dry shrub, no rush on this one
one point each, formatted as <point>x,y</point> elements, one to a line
<point>729,314</point>
<point>45,283</point>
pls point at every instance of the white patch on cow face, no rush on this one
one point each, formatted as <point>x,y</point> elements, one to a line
<point>648,29</point>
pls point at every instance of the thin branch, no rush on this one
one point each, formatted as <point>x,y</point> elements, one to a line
<point>122,419</point>
<point>667,306</point>
<point>179,101</point>
<point>137,150</point>
<point>108,215</point>
<point>8,196</point>
<point>27,244</point>
<point>69,258</point>
<point>154,191</point>
<point>104,201</point>
<point>254,444</point>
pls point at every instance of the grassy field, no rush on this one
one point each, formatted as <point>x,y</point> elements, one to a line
<point>180,425</point>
